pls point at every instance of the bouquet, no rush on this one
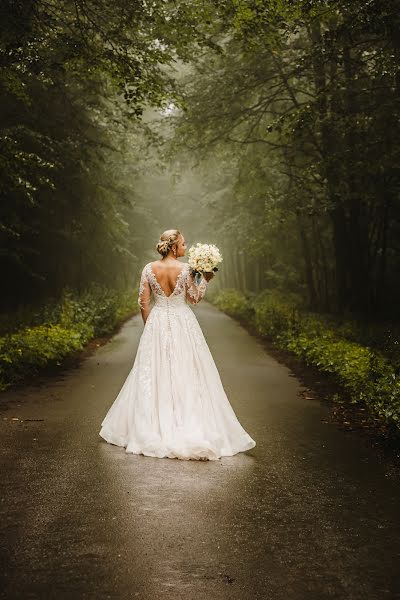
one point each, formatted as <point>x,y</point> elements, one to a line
<point>203,258</point>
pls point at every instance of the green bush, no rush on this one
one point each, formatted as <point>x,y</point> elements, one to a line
<point>72,322</point>
<point>25,352</point>
<point>100,308</point>
<point>362,371</point>
<point>234,303</point>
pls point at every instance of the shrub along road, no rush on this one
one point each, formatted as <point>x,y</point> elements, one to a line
<point>310,513</point>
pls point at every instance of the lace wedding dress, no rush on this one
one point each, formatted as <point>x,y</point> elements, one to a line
<point>172,403</point>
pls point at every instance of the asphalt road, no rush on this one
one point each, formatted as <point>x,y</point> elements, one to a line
<point>310,513</point>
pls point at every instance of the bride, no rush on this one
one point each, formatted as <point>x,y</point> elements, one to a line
<point>172,403</point>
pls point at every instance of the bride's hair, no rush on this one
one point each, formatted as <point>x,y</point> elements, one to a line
<point>167,240</point>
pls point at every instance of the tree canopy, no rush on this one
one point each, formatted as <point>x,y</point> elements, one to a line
<point>75,78</point>
<point>292,109</point>
<point>303,102</point>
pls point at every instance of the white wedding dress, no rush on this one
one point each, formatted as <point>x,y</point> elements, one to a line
<point>172,403</point>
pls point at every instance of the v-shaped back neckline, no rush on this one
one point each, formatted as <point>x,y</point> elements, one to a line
<point>158,283</point>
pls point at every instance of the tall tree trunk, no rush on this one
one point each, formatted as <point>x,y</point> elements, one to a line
<point>312,293</point>
<point>330,165</point>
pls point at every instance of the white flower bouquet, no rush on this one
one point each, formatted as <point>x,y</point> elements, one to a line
<point>203,258</point>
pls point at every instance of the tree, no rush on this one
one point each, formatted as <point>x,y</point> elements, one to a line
<point>75,78</point>
<point>313,88</point>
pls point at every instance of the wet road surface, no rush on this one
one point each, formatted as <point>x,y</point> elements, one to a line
<point>310,513</point>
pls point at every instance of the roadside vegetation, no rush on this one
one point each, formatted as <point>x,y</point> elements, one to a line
<point>365,363</point>
<point>31,341</point>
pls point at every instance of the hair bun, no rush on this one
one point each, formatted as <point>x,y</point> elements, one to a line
<point>167,240</point>
<point>163,246</point>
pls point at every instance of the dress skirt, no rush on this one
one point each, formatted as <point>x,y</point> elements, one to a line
<point>172,403</point>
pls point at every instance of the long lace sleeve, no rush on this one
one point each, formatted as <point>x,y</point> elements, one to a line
<point>144,294</point>
<point>194,291</point>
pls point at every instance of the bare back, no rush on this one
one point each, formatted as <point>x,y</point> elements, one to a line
<point>167,274</point>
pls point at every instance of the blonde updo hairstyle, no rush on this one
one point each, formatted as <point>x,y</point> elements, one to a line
<point>167,240</point>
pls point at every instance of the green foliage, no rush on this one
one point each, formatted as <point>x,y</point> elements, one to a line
<point>234,303</point>
<point>297,120</point>
<point>98,308</point>
<point>75,78</point>
<point>71,323</point>
<point>365,374</point>
<point>27,351</point>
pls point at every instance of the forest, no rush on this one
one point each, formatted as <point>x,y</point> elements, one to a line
<point>270,128</point>
<point>300,111</point>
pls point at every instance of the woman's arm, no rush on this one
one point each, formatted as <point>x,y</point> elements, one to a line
<point>194,291</point>
<point>144,295</point>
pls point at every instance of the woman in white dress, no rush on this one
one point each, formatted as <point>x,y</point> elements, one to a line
<point>172,403</point>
